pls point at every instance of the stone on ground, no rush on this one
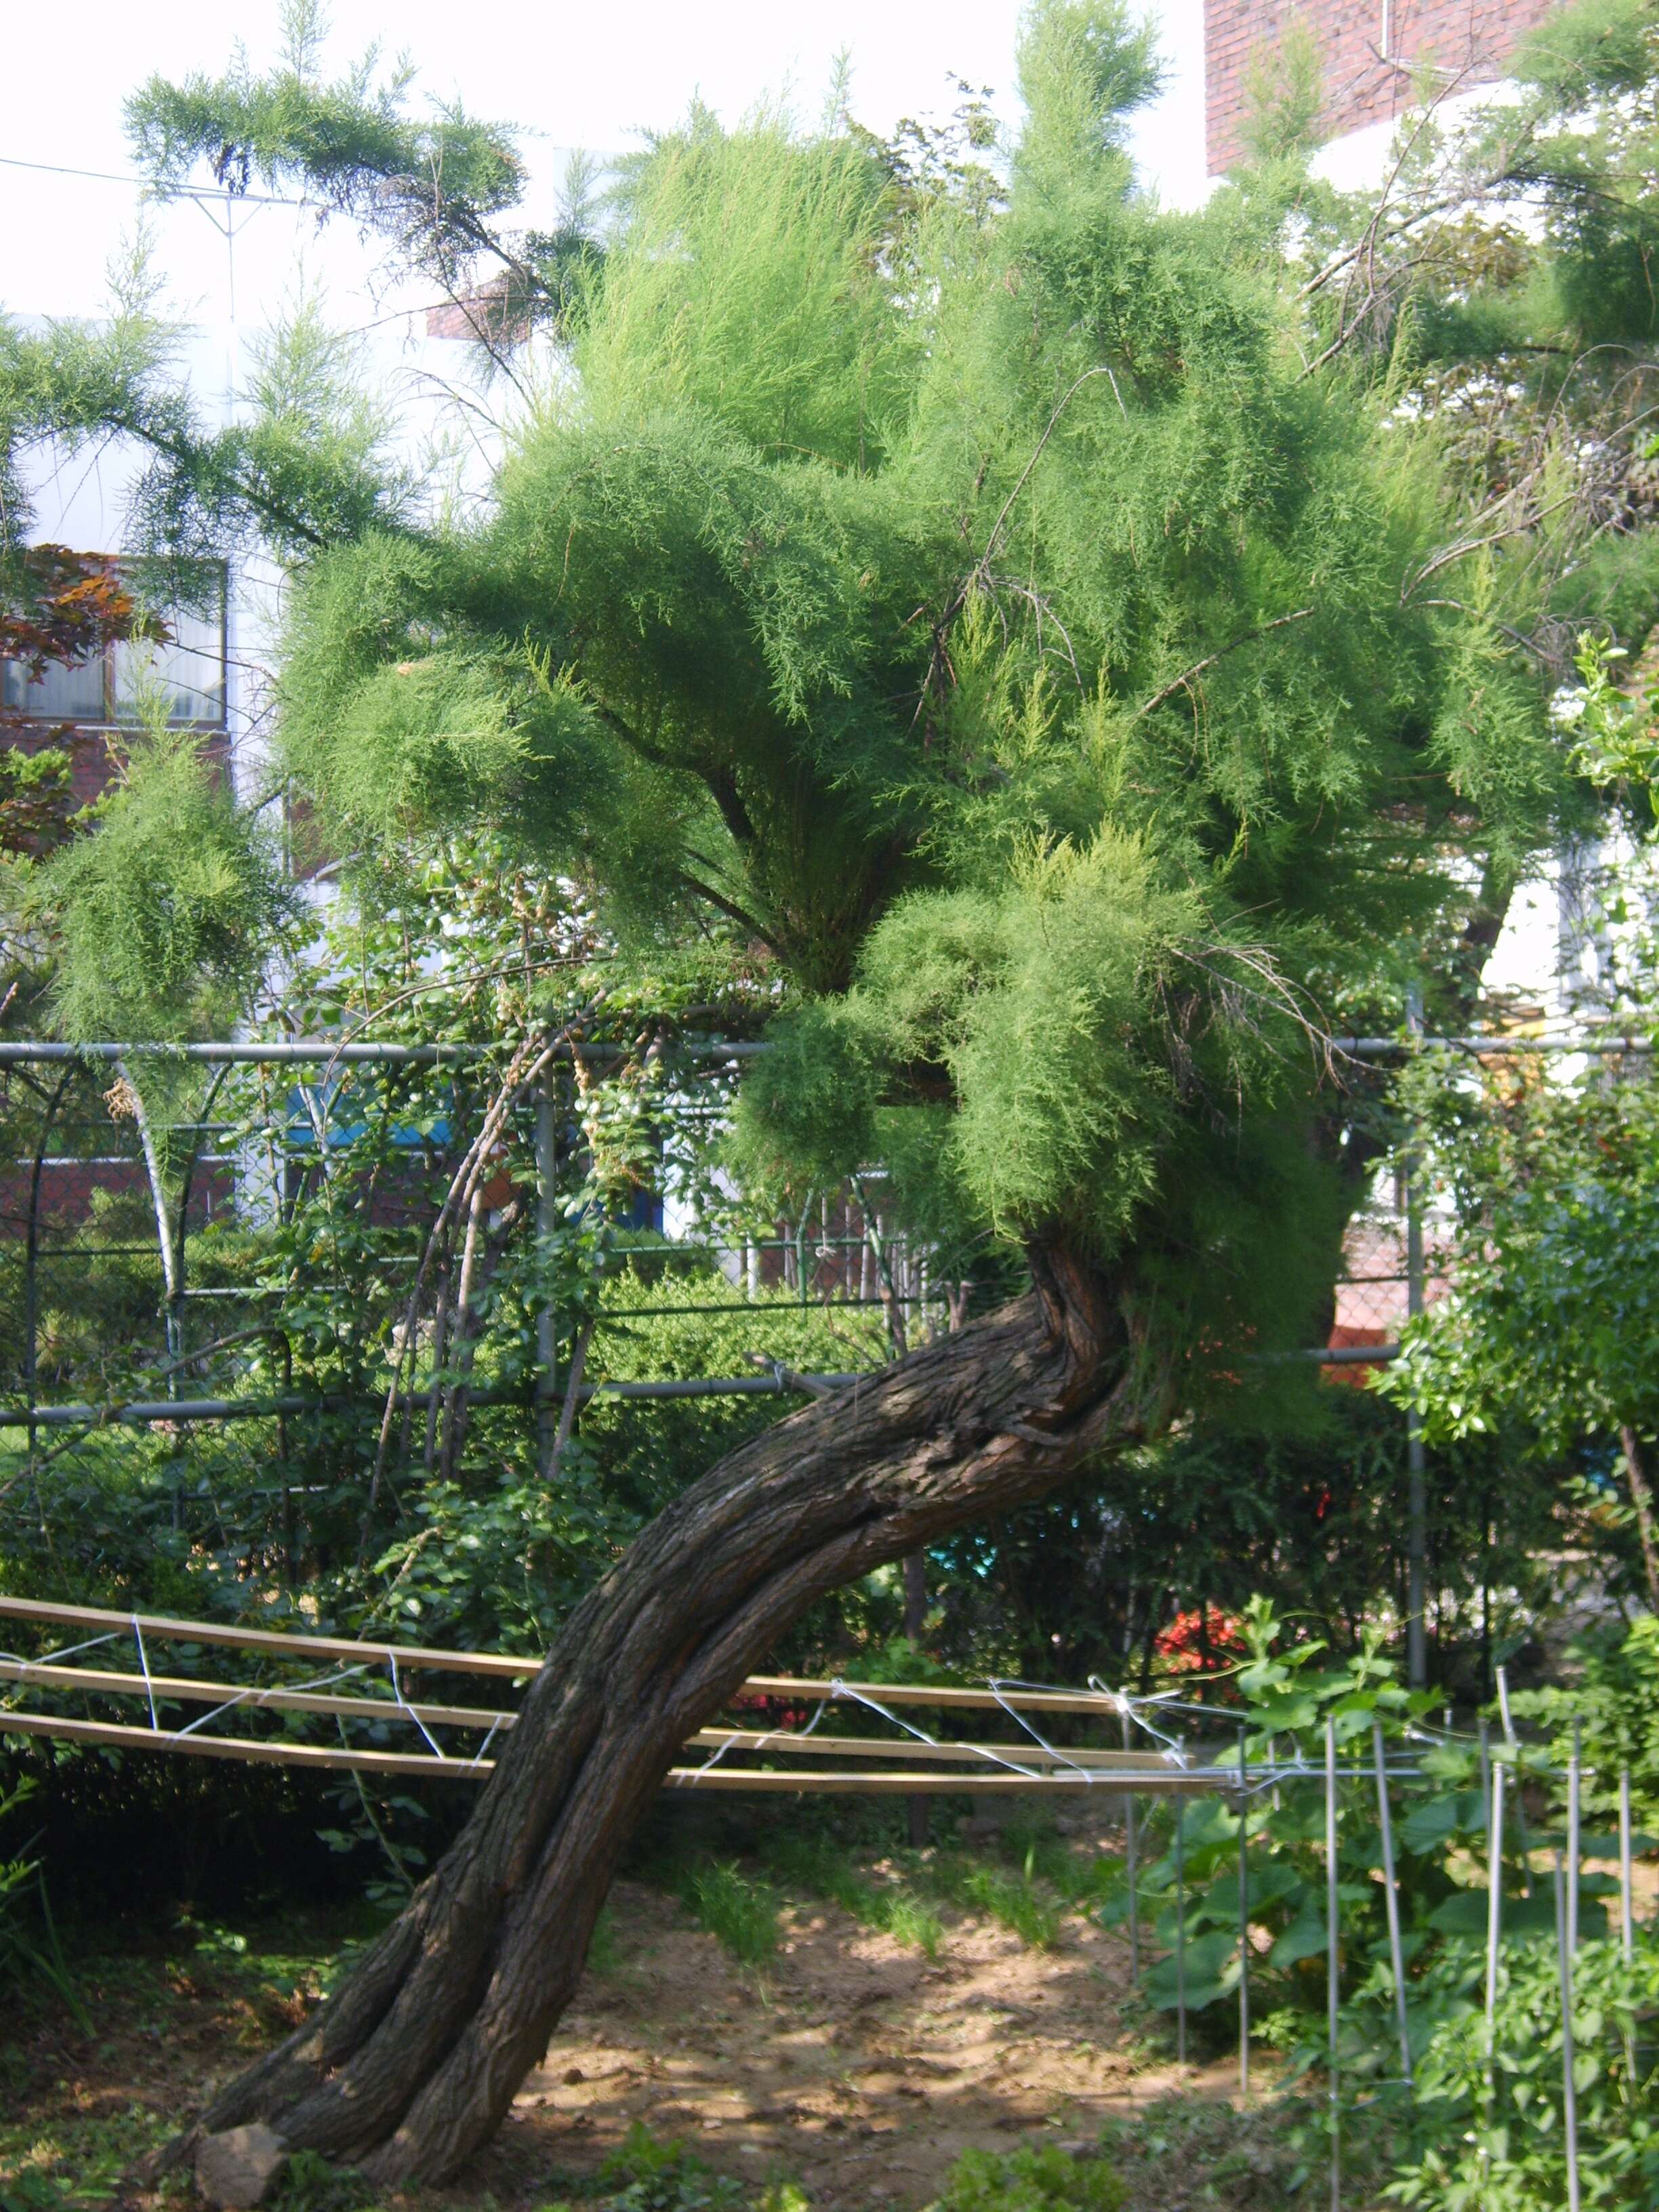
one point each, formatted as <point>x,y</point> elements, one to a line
<point>235,2170</point>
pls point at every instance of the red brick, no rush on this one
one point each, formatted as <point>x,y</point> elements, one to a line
<point>1468,41</point>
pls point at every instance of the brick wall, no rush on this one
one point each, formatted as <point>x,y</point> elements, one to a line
<point>1467,40</point>
<point>95,753</point>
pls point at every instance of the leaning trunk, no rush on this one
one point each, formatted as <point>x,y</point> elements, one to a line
<point>413,2064</point>
<point>1641,1494</point>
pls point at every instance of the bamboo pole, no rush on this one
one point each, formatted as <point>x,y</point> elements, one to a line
<point>166,1628</point>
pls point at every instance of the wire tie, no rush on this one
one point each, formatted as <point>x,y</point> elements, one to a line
<point>144,1662</point>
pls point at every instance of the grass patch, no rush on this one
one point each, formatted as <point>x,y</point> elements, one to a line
<point>819,1866</point>
<point>1015,1901</point>
<point>741,1912</point>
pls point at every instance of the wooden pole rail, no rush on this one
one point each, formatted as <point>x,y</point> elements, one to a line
<point>503,1666</point>
<point>186,1689</point>
<point>278,1753</point>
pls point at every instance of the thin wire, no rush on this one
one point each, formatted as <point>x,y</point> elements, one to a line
<point>257,1693</point>
<point>406,1709</point>
<point>770,1736</point>
<point>841,1689</point>
<point>145,184</point>
<point>150,1686</point>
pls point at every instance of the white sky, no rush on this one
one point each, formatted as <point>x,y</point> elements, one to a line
<point>576,75</point>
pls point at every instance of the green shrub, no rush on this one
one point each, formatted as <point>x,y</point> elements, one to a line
<point>310,2183</point>
<point>1036,2177</point>
<point>648,2176</point>
<point>742,1913</point>
<point>1615,1700</point>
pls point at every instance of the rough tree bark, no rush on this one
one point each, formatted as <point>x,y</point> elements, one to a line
<point>413,2064</point>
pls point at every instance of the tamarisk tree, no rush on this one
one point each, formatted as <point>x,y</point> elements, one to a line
<point>997,623</point>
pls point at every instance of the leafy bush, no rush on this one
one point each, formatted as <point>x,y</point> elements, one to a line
<point>1036,2177</point>
<point>1494,2115</point>
<point>1615,1701</point>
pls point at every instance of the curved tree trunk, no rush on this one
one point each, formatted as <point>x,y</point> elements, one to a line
<point>412,2064</point>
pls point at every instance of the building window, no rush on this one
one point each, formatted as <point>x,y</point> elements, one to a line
<point>187,674</point>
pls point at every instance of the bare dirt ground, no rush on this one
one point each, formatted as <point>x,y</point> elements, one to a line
<point>850,2063</point>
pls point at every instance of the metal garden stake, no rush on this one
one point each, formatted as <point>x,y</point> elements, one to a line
<point>1332,1962</point>
<point>1243,1926</point>
<point>1569,2086</point>
<point>1575,1835</point>
<point>1181,1929</point>
<point>1391,1900</point>
<point>1494,1908</point>
<point>1129,1855</point>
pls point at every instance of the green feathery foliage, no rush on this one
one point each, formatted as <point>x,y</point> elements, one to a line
<point>1053,656</point>
<point>165,916</point>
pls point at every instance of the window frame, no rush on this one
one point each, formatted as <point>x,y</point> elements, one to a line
<point>110,720</point>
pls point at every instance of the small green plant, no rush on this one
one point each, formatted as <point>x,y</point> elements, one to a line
<point>310,2183</point>
<point>32,2191</point>
<point>648,2176</point>
<point>1036,2177</point>
<point>28,1956</point>
<point>822,1868</point>
<point>901,1914</point>
<point>1268,2156</point>
<point>1015,1900</point>
<point>741,1913</point>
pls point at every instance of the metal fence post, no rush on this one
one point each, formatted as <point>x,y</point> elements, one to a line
<point>1417,1648</point>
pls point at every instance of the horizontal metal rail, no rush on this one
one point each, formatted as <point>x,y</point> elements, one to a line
<point>781,1382</point>
<point>310,1052</point>
<point>139,1411</point>
<point>300,1052</point>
